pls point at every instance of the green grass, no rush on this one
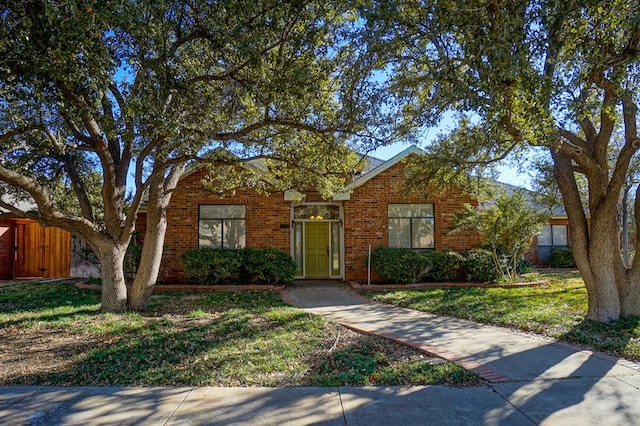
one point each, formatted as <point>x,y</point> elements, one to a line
<point>362,363</point>
<point>54,334</point>
<point>557,309</point>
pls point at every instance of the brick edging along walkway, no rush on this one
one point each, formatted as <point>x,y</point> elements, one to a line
<point>374,287</point>
<point>199,287</point>
<point>354,285</point>
<point>486,373</point>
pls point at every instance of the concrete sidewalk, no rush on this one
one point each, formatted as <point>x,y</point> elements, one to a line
<point>545,381</point>
<point>531,381</point>
<point>437,405</point>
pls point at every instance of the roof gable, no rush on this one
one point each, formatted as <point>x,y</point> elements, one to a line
<point>346,194</point>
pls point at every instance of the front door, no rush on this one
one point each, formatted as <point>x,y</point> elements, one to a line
<point>317,249</point>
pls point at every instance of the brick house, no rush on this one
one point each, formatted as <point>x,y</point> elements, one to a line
<point>329,239</point>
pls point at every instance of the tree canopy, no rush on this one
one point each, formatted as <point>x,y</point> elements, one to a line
<point>100,98</point>
<point>563,76</point>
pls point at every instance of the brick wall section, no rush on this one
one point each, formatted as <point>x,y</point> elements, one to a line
<point>366,219</point>
<point>7,243</point>
<point>268,220</point>
<point>264,217</point>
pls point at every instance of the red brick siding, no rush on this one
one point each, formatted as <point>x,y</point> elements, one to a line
<point>264,217</point>
<point>268,220</point>
<point>366,219</point>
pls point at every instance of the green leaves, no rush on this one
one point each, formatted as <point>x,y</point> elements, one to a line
<point>509,223</point>
<point>101,97</point>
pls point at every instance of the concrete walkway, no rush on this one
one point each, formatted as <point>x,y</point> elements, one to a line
<point>538,379</point>
<point>532,381</point>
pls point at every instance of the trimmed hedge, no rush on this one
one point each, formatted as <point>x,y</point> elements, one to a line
<point>406,266</point>
<point>399,265</point>
<point>268,265</point>
<point>223,266</point>
<point>211,265</point>
<point>561,257</point>
<point>478,266</point>
<point>444,265</point>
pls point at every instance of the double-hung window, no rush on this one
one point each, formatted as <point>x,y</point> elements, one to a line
<point>222,226</point>
<point>411,225</point>
<point>550,237</point>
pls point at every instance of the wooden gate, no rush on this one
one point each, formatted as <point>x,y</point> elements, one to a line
<point>41,251</point>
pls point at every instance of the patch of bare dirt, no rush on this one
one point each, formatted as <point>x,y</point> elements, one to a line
<point>26,354</point>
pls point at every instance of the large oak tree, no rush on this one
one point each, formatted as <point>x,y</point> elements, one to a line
<point>562,75</point>
<point>103,104</point>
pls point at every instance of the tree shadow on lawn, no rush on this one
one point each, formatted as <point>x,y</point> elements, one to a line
<point>39,300</point>
<point>619,338</point>
<point>234,348</point>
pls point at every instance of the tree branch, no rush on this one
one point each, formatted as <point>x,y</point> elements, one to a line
<point>15,212</point>
<point>75,130</point>
<point>48,214</point>
<point>127,152</point>
<point>19,131</point>
<point>142,158</point>
<point>78,188</point>
<point>607,124</point>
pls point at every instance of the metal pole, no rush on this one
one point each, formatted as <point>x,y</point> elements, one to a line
<point>369,267</point>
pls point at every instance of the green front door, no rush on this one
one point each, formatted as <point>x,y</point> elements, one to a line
<point>317,250</point>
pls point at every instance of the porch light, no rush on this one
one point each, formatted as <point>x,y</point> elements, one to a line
<point>312,218</point>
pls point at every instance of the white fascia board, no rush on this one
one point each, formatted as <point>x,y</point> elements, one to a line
<point>412,150</point>
<point>342,196</point>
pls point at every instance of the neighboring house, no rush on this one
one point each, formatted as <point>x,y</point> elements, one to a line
<point>554,235</point>
<point>30,250</point>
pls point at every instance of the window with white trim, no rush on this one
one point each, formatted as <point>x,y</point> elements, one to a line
<point>411,226</point>
<point>550,237</point>
<point>222,226</point>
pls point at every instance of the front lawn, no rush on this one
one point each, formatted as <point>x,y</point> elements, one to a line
<point>556,310</point>
<point>54,334</point>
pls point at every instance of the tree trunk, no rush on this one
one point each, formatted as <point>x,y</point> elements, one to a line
<point>602,294</point>
<point>114,289</point>
<point>629,290</point>
<point>604,299</point>
<point>152,249</point>
<point>153,245</point>
<point>595,245</point>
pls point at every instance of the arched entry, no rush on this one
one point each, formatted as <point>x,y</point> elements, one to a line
<point>317,240</point>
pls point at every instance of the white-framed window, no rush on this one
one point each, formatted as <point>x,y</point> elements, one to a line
<point>550,237</point>
<point>222,226</point>
<point>411,226</point>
